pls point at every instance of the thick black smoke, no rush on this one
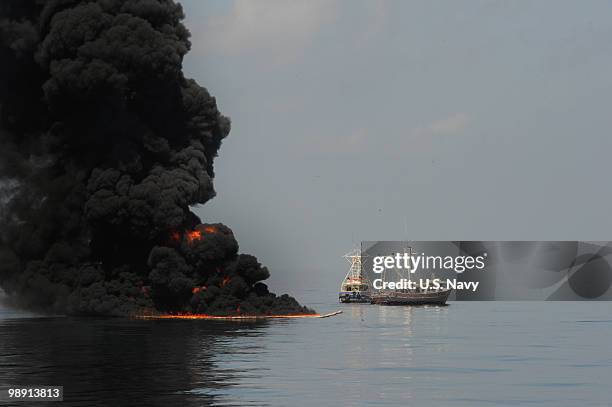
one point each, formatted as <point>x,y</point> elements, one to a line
<point>105,145</point>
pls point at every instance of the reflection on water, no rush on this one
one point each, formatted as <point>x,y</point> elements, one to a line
<point>124,362</point>
<point>466,354</point>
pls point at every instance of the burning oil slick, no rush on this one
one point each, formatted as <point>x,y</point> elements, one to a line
<point>105,146</point>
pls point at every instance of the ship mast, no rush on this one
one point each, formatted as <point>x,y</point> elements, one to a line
<point>355,272</point>
<point>409,268</point>
<point>354,259</point>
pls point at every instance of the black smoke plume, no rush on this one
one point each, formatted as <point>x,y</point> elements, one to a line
<point>105,146</point>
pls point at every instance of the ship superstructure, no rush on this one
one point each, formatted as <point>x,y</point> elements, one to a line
<point>355,287</point>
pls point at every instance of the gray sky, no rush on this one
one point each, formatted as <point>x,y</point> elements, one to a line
<point>484,120</point>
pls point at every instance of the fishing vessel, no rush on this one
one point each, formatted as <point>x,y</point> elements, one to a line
<point>355,287</point>
<point>415,296</point>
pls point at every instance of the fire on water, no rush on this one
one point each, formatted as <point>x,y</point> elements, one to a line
<point>236,317</point>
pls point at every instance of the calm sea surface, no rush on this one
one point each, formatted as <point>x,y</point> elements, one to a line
<point>465,354</point>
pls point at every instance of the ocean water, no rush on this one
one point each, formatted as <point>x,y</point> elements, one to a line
<point>464,354</point>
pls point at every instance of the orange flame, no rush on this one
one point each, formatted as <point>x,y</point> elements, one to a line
<point>228,317</point>
<point>226,280</point>
<point>196,290</point>
<point>194,235</point>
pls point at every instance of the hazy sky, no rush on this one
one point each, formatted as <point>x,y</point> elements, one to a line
<point>475,120</point>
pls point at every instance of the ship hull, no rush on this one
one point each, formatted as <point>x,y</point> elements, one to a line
<point>411,298</point>
<point>354,297</point>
